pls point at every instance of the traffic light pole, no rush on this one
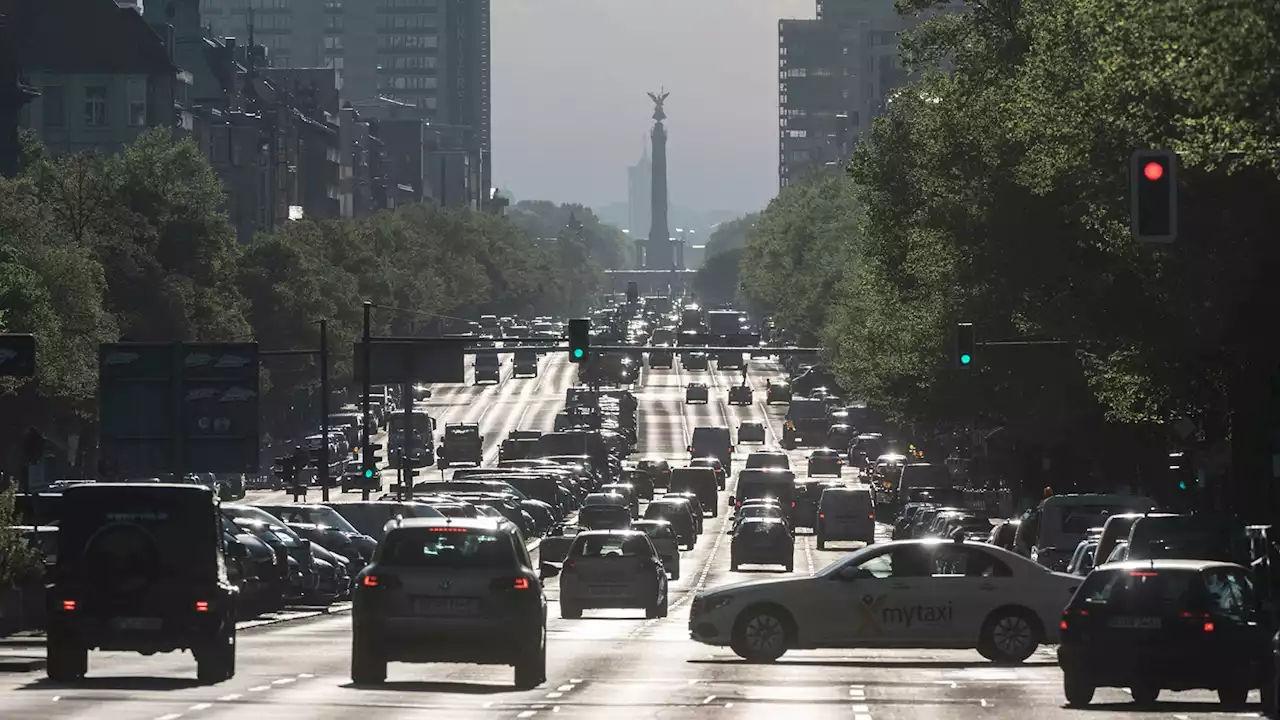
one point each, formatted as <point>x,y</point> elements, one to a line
<point>324,411</point>
<point>406,443</point>
<point>364,396</point>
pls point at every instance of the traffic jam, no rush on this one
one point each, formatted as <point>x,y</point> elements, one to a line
<point>1130,596</point>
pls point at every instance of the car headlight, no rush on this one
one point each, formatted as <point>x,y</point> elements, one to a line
<point>715,603</point>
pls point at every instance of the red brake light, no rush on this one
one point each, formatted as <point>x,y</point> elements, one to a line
<point>1143,573</point>
<point>448,529</point>
<point>871,515</point>
<point>570,565</point>
<point>68,604</point>
<point>1208,627</point>
<point>202,606</point>
<point>371,581</point>
<point>1063,624</point>
<point>793,503</point>
<point>821,516</point>
<point>522,584</point>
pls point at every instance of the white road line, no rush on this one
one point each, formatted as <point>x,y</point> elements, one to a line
<point>554,695</point>
<point>230,698</point>
<point>170,716</point>
<point>861,716</point>
<point>305,676</point>
<point>983,702</point>
<point>202,706</point>
<point>283,681</point>
<point>708,699</point>
<point>861,708</point>
<point>565,688</point>
<point>575,681</point>
<point>260,688</point>
<point>527,714</point>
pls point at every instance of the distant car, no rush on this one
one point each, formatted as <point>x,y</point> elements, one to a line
<point>696,393</point>
<point>611,569</point>
<point>741,395</point>
<point>751,432</point>
<point>777,392</point>
<point>762,540</point>
<point>825,462</point>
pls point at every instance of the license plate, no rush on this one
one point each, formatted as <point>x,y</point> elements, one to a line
<point>1135,623</point>
<point>136,623</point>
<point>446,606</point>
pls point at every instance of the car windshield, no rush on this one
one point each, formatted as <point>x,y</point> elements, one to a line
<point>610,546</point>
<point>447,547</point>
<point>1155,592</point>
<point>313,515</point>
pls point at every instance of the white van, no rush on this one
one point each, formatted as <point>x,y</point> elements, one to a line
<point>846,514</point>
<point>1062,521</point>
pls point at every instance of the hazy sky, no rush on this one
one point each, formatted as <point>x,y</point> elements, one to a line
<point>569,104</point>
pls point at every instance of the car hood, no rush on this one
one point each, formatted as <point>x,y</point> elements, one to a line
<point>756,589</point>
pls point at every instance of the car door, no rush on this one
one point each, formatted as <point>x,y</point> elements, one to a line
<point>973,583</point>
<point>870,603</point>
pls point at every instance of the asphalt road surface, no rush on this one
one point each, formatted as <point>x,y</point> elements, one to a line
<point>610,664</point>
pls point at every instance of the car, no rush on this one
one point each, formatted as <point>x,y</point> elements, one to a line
<point>140,567</point>
<point>697,393</point>
<point>697,361</point>
<point>1151,625</point>
<point>903,594</point>
<point>751,432</point>
<point>777,392</point>
<point>722,476</point>
<point>665,541</point>
<point>452,590</point>
<point>825,462</point>
<point>611,569</point>
<point>462,444</point>
<point>846,514</point>
<point>762,540</point>
<point>741,395</point>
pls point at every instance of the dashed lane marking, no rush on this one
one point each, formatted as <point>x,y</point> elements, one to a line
<point>708,699</point>
<point>230,698</point>
<point>201,706</point>
<point>259,688</point>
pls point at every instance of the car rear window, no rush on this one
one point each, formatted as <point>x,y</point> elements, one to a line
<point>610,546</point>
<point>447,547</point>
<point>1141,591</point>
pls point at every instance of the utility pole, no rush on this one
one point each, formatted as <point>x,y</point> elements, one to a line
<point>364,397</point>
<point>324,411</point>
<point>406,443</point>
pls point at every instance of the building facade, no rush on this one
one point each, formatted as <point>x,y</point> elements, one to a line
<point>835,73</point>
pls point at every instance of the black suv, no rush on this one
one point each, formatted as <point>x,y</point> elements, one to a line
<point>140,568</point>
<point>463,444</point>
<point>450,590</point>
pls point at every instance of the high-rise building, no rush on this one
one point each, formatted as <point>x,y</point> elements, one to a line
<point>834,75</point>
<point>640,193</point>
<point>432,54</point>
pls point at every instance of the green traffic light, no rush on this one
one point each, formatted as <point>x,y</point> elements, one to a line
<point>1182,484</point>
<point>966,358</point>
<point>577,352</point>
<point>368,473</point>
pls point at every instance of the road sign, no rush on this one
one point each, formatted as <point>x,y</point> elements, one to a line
<point>17,355</point>
<point>178,408</point>
<point>397,362</point>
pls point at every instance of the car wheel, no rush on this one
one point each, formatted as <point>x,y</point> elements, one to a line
<point>1144,693</point>
<point>66,659</point>
<point>1009,636</point>
<point>368,666</point>
<point>760,635</point>
<point>675,572</point>
<point>531,671</point>
<point>216,661</point>
<point>1077,689</point>
<point>1234,696</point>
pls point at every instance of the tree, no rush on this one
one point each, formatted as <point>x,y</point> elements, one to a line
<point>717,281</point>
<point>17,558</point>
<point>798,251</point>
<point>608,247</point>
<point>731,235</point>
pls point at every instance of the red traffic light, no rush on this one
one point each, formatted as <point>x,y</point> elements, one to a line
<point>1153,171</point>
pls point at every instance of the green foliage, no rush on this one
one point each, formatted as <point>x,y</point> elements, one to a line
<point>717,281</point>
<point>996,192</point>
<point>607,246</point>
<point>17,558</point>
<point>731,235</point>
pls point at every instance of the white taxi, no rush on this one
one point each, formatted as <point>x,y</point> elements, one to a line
<point>927,593</point>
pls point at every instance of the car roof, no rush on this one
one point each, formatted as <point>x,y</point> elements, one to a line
<point>1169,564</point>
<point>478,524</point>
<point>825,451</point>
<point>604,533</point>
<point>760,520</point>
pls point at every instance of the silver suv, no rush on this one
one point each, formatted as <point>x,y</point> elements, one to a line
<point>450,590</point>
<point>611,569</point>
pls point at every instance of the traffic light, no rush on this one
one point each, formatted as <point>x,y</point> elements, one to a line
<point>579,339</point>
<point>371,460</point>
<point>965,345</point>
<point>1153,195</point>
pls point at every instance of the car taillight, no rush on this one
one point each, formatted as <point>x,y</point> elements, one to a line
<point>202,606</point>
<point>570,565</point>
<point>68,605</point>
<point>521,584</point>
<point>871,515</point>
<point>1208,627</point>
<point>822,516</point>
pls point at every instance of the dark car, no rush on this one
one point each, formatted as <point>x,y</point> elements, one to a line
<point>762,541</point>
<point>139,568</point>
<point>462,444</point>
<point>1152,625</point>
<point>605,517</point>
<point>777,392</point>
<point>679,515</point>
<point>825,462</point>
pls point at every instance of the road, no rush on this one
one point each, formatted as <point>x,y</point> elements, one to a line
<point>610,664</point>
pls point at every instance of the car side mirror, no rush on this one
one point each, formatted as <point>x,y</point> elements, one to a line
<point>237,551</point>
<point>548,570</point>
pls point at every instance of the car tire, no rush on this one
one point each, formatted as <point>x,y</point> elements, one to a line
<point>733,565</point>
<point>569,611</point>
<point>1077,689</point>
<point>66,659</point>
<point>791,566</point>
<point>675,572</point>
<point>531,671</point>
<point>1145,693</point>
<point>216,661</point>
<point>760,635</point>
<point>1009,635</point>
<point>1234,696</point>
<point>368,665</point>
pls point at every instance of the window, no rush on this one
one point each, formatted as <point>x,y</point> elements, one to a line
<point>269,4</point>
<point>611,546</point>
<point>333,23</point>
<point>414,62</point>
<point>54,108</point>
<point>447,547</point>
<point>420,21</point>
<point>406,42</point>
<point>333,42</point>
<point>137,102</point>
<point>968,561</point>
<point>903,562</point>
<point>95,105</point>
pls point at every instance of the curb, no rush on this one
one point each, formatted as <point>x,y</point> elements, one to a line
<point>22,664</point>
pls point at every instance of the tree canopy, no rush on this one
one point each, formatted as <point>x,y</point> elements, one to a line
<point>136,247</point>
<point>994,190</point>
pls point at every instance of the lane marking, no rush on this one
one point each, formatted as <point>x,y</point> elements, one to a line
<point>283,681</point>
<point>260,688</point>
<point>983,702</point>
<point>527,714</point>
<point>554,695</point>
<point>230,698</point>
<point>861,708</point>
<point>170,716</point>
<point>202,706</point>
<point>708,699</point>
<point>305,676</point>
<point>565,688</point>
